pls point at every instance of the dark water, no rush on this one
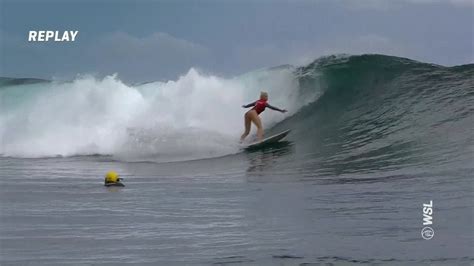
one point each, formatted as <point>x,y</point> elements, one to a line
<point>347,187</point>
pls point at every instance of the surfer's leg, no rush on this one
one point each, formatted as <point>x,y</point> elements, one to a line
<point>256,120</point>
<point>247,127</point>
<point>258,123</point>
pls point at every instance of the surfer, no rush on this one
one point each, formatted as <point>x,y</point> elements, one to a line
<point>252,115</point>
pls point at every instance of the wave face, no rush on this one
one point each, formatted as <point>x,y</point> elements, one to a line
<point>384,113</point>
<point>350,113</point>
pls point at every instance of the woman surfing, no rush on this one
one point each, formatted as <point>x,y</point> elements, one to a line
<point>252,115</point>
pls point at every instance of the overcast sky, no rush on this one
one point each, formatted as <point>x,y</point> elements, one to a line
<point>157,40</point>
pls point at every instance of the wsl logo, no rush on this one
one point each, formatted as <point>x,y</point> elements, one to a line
<point>54,36</point>
<point>427,232</point>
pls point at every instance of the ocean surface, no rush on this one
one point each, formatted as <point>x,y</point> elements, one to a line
<point>373,138</point>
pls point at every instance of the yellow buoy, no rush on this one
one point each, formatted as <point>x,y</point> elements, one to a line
<point>111,177</point>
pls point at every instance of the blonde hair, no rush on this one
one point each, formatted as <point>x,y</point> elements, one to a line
<point>263,94</point>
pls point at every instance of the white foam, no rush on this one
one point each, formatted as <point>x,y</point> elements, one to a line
<point>195,116</point>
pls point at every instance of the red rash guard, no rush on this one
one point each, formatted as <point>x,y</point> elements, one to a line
<point>260,106</point>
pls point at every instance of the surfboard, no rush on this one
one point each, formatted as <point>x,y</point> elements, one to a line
<point>266,141</point>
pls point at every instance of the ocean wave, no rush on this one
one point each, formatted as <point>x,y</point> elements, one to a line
<point>381,112</point>
<point>350,112</point>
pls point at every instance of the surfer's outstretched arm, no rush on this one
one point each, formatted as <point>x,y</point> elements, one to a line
<point>276,108</point>
<point>249,105</point>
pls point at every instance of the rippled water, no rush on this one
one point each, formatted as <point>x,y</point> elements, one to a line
<point>248,209</point>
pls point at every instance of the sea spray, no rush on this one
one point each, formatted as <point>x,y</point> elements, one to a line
<point>194,116</point>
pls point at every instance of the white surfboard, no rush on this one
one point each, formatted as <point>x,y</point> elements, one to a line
<point>269,140</point>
